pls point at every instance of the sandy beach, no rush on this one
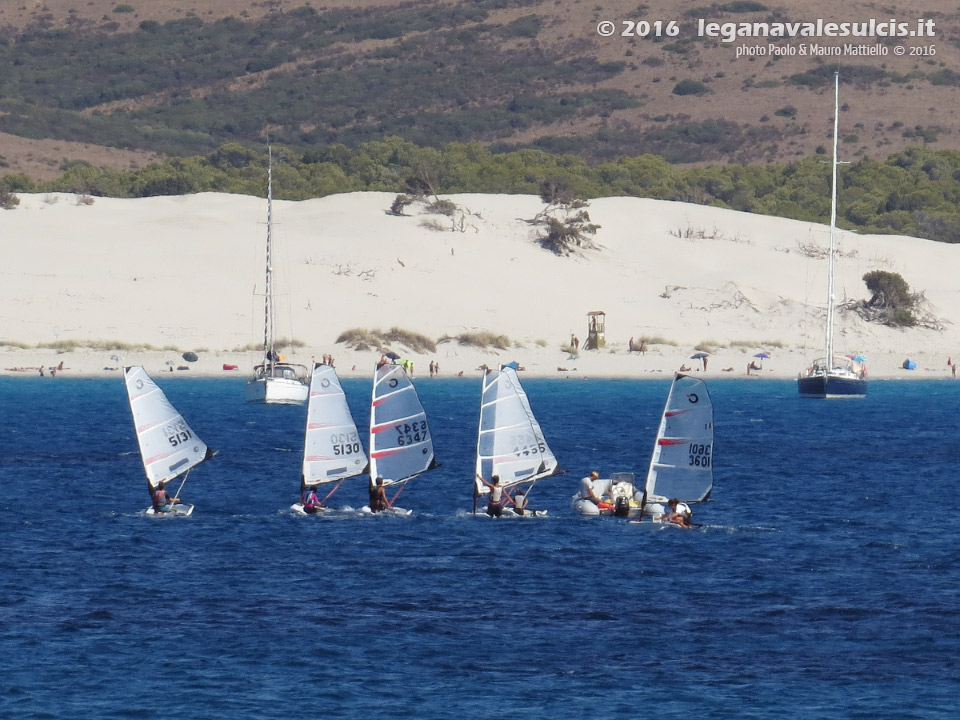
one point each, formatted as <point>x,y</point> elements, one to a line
<point>96,286</point>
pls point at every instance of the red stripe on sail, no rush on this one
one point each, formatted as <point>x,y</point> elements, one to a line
<point>384,453</point>
<point>672,441</point>
<point>156,458</point>
<point>380,428</point>
<point>674,413</point>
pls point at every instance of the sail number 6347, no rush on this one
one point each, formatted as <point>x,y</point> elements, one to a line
<point>410,433</point>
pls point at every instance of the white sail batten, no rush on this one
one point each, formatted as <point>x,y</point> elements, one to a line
<point>510,443</point>
<point>682,462</point>
<point>401,445</point>
<point>168,446</point>
<point>332,450</point>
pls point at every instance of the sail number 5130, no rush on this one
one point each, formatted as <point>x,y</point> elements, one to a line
<point>700,455</point>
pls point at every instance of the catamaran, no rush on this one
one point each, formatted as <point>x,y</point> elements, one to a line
<point>832,375</point>
<point>332,451</point>
<point>401,446</point>
<point>168,447</point>
<point>274,381</point>
<point>510,443</point>
<point>681,465</point>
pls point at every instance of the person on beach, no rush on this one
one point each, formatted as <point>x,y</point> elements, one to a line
<point>378,497</point>
<point>680,513</point>
<point>162,502</point>
<point>586,488</point>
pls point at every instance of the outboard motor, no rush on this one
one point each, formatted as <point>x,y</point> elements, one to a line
<point>622,507</point>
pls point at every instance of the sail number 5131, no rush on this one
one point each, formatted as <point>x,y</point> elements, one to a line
<point>700,455</point>
<point>178,433</point>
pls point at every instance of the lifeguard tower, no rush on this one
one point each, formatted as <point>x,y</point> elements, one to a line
<point>596,322</point>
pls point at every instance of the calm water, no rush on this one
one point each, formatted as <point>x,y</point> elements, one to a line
<point>825,584</point>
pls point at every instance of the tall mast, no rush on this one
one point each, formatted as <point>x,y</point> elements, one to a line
<point>831,300</point>
<point>268,296</point>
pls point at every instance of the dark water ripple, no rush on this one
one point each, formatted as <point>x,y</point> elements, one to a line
<point>824,583</point>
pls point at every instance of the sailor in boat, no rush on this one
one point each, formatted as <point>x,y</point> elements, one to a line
<point>308,498</point>
<point>586,488</point>
<point>162,502</point>
<point>520,502</point>
<point>495,504</point>
<point>378,497</point>
<point>680,513</point>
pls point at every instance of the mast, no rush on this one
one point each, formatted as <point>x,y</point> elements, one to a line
<point>268,310</point>
<point>831,300</point>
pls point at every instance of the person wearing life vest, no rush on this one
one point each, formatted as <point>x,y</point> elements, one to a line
<point>308,498</point>
<point>520,502</point>
<point>495,503</point>
<point>680,513</point>
<point>162,502</point>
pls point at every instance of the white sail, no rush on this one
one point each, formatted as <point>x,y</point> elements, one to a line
<point>401,445</point>
<point>332,449</point>
<point>682,463</point>
<point>510,443</point>
<point>168,447</point>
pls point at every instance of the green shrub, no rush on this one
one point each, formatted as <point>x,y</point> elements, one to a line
<point>690,87</point>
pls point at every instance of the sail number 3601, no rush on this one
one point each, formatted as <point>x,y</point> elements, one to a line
<point>700,455</point>
<point>411,433</point>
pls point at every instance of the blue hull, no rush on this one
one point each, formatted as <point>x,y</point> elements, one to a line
<point>831,386</point>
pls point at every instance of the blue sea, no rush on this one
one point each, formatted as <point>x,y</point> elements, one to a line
<point>824,582</point>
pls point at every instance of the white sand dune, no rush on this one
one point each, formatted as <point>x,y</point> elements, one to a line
<point>187,273</point>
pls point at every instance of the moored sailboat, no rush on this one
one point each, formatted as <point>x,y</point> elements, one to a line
<point>168,446</point>
<point>274,380</point>
<point>833,375</point>
<point>401,445</point>
<point>332,451</point>
<point>510,444</point>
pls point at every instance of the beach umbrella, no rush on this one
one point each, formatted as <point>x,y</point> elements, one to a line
<point>702,357</point>
<point>763,356</point>
<point>392,355</point>
<point>860,358</point>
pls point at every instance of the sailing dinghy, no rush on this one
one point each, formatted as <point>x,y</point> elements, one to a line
<point>401,446</point>
<point>510,443</point>
<point>274,381</point>
<point>681,465</point>
<point>168,447</point>
<point>332,451</point>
